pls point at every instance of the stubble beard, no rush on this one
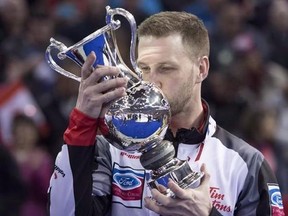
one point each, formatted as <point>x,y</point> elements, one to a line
<point>180,101</point>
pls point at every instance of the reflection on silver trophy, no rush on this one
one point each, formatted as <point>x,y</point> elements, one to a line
<point>139,120</point>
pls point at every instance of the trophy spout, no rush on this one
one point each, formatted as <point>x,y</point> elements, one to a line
<point>54,44</point>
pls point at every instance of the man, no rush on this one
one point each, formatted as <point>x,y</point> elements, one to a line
<point>173,53</point>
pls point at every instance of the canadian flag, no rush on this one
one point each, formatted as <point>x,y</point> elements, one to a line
<point>15,98</point>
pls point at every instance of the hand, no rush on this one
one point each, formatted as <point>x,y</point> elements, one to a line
<point>94,95</point>
<point>187,202</point>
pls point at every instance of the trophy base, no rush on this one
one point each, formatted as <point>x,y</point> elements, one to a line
<point>177,170</point>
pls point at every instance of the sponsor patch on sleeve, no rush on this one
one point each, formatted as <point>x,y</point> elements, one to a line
<point>275,199</point>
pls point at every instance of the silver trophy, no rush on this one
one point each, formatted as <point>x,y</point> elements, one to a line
<point>139,120</point>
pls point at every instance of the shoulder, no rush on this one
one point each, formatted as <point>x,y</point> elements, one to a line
<point>246,151</point>
<point>221,137</point>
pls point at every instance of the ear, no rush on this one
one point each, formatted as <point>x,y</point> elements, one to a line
<point>204,65</point>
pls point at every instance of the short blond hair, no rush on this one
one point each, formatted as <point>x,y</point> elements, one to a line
<point>190,27</point>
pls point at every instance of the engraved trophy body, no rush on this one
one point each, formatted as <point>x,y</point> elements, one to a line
<point>139,120</point>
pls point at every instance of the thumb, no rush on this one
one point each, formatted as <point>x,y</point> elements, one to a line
<point>206,177</point>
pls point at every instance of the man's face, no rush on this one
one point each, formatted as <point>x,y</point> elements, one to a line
<point>165,62</point>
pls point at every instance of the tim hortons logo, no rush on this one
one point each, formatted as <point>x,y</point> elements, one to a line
<point>218,199</point>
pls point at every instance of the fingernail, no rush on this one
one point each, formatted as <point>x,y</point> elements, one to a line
<point>153,191</point>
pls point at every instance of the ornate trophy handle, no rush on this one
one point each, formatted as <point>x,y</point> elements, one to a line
<point>133,26</point>
<point>60,47</point>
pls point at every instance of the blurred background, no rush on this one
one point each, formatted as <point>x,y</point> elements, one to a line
<point>247,87</point>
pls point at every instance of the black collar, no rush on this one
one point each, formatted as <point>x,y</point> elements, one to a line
<point>192,135</point>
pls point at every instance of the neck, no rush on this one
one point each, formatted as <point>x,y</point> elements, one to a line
<point>187,119</point>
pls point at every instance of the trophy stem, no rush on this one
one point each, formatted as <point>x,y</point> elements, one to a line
<point>159,157</point>
<point>157,154</point>
<point>177,170</point>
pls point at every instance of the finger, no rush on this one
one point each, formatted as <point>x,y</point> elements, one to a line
<point>109,85</point>
<point>161,198</point>
<point>177,190</point>
<point>161,188</point>
<point>105,107</point>
<point>88,65</point>
<point>151,204</point>
<point>102,71</point>
<point>159,208</point>
<point>110,96</point>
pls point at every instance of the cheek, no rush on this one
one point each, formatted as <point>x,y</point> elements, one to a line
<point>145,77</point>
<point>171,88</point>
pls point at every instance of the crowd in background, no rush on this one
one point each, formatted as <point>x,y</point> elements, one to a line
<point>247,87</point>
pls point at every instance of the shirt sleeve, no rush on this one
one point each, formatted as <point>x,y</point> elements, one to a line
<point>80,168</point>
<point>261,194</point>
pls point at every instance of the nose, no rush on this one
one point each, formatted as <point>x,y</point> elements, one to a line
<point>152,77</point>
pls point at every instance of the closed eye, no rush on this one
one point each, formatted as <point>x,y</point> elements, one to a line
<point>145,69</point>
<point>166,69</point>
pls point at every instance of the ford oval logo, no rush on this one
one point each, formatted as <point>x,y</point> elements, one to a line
<point>277,199</point>
<point>126,181</point>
